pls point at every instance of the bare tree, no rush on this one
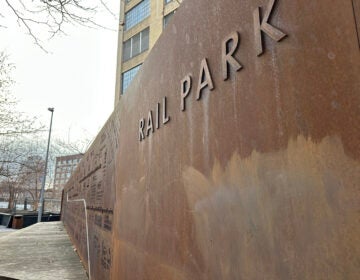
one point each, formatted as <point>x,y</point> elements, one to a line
<point>23,145</point>
<point>30,177</point>
<point>12,122</point>
<point>71,147</point>
<point>13,126</point>
<point>52,15</point>
<point>20,166</point>
<point>22,163</point>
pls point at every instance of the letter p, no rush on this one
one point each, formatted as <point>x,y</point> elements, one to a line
<point>185,90</point>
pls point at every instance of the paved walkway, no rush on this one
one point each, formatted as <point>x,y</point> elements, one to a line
<point>5,231</point>
<point>41,251</point>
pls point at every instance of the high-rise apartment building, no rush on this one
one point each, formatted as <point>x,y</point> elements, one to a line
<point>141,23</point>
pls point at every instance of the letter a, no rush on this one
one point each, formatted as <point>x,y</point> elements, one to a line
<point>150,124</point>
<point>263,25</point>
<point>205,79</point>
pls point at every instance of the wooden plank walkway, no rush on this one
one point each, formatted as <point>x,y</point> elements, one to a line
<point>41,251</point>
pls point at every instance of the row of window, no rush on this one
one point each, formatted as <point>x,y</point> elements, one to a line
<point>140,41</point>
<point>65,170</point>
<point>136,44</point>
<point>63,175</point>
<point>165,1</point>
<point>68,161</point>
<point>128,76</point>
<point>137,14</point>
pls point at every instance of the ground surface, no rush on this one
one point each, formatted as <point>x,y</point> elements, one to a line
<point>41,251</point>
<point>5,231</point>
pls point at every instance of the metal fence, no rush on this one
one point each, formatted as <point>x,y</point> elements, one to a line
<point>50,205</point>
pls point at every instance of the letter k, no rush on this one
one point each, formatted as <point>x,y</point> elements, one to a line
<point>274,33</point>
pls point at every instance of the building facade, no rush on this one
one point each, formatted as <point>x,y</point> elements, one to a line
<point>141,23</point>
<point>64,167</point>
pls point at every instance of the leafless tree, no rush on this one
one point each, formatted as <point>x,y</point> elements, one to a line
<point>22,165</point>
<point>21,157</point>
<point>71,147</point>
<point>37,16</point>
<point>12,122</point>
<point>23,145</point>
<point>30,177</point>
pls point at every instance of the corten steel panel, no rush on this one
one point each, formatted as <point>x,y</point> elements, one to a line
<point>94,182</point>
<point>259,178</point>
<point>356,8</point>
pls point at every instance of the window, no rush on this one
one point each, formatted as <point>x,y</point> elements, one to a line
<point>168,17</point>
<point>137,14</point>
<point>128,76</point>
<point>136,45</point>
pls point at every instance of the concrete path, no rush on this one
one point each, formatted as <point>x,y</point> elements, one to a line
<point>5,231</point>
<point>41,251</point>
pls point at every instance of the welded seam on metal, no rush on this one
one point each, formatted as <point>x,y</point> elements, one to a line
<point>87,229</point>
<point>356,23</point>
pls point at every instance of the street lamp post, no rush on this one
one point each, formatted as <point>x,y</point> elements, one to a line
<point>41,203</point>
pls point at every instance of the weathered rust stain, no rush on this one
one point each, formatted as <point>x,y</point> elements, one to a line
<point>258,177</point>
<point>268,213</point>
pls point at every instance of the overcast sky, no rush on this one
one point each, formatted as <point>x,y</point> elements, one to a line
<point>77,76</point>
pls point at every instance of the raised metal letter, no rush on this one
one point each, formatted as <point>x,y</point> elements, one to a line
<point>141,129</point>
<point>165,117</point>
<point>227,57</point>
<point>157,122</point>
<point>205,79</point>
<point>185,90</point>
<point>150,126</point>
<point>267,28</point>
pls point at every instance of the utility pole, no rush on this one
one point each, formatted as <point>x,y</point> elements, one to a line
<point>41,203</point>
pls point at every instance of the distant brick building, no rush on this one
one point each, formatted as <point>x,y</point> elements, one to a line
<point>64,167</point>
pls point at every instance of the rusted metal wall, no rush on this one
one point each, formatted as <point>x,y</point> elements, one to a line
<point>92,187</point>
<point>253,172</point>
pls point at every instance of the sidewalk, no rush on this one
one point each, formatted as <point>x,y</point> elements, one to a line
<point>5,231</point>
<point>41,251</point>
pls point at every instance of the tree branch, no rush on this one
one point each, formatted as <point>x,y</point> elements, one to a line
<point>52,15</point>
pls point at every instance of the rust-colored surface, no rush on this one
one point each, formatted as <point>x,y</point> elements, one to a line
<point>259,178</point>
<point>356,8</point>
